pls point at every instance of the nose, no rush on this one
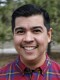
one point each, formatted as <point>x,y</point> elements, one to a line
<point>28,37</point>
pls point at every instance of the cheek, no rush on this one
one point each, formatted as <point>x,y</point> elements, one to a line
<point>43,40</point>
<point>17,40</point>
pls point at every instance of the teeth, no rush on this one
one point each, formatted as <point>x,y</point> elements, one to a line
<point>29,48</point>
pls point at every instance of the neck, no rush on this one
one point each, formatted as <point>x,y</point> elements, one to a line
<point>33,64</point>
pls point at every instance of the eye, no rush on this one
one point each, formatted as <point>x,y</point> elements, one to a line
<point>20,31</point>
<point>36,31</point>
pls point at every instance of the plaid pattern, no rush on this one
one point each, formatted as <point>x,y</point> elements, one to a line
<point>50,70</point>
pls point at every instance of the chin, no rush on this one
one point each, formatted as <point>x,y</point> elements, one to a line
<point>30,58</point>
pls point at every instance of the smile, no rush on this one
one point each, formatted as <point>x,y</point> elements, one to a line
<point>28,48</point>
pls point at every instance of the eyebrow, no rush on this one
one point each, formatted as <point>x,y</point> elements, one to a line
<point>35,27</point>
<point>18,28</point>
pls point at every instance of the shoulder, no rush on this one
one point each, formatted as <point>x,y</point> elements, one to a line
<point>55,66</point>
<point>6,68</point>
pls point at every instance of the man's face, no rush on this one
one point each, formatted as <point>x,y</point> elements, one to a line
<point>31,37</point>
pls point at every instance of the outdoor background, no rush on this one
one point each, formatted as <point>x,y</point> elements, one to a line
<point>7,51</point>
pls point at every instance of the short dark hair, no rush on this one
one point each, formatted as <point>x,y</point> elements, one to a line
<point>29,10</point>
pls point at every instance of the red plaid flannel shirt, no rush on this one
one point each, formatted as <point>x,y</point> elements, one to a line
<point>50,70</point>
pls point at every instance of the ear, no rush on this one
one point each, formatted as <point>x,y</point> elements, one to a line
<point>49,34</point>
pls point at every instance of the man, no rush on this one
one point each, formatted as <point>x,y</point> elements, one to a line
<point>31,34</point>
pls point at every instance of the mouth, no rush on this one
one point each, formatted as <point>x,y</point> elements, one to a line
<point>29,48</point>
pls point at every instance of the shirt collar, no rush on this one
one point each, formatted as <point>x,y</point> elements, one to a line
<point>46,64</point>
<point>19,65</point>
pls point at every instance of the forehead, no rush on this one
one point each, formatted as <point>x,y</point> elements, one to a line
<point>34,20</point>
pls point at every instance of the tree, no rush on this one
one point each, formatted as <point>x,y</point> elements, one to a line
<point>52,6</point>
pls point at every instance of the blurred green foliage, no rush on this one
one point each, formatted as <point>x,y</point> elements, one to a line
<point>52,6</point>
